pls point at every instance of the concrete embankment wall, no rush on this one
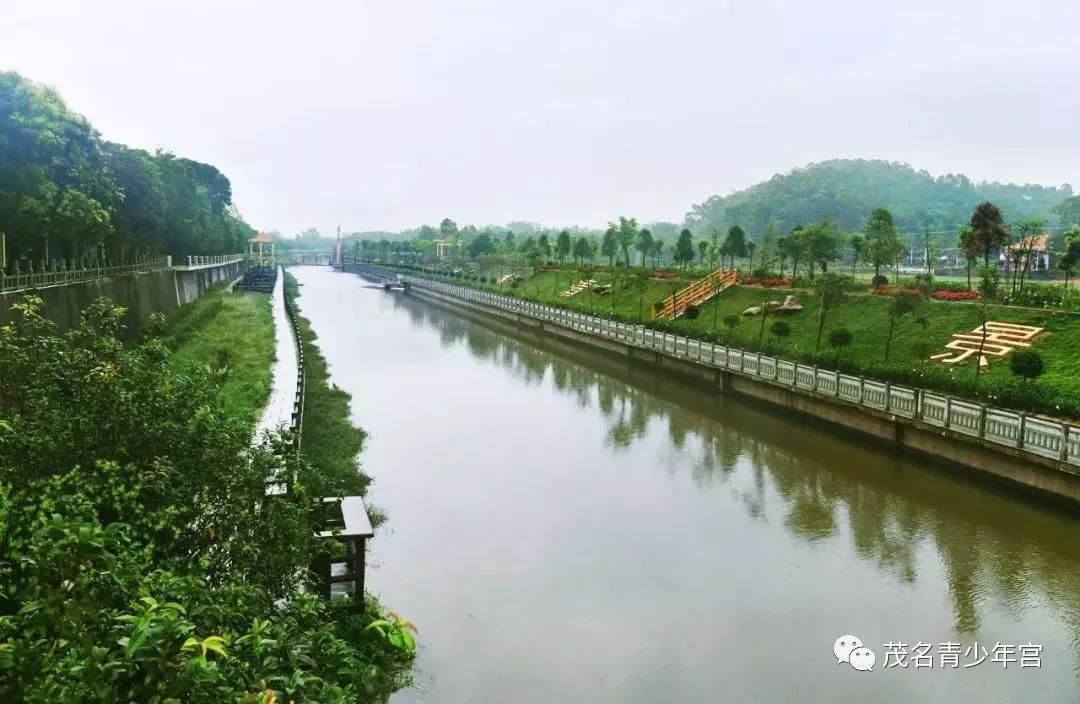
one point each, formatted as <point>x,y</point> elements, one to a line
<point>142,294</point>
<point>1038,475</point>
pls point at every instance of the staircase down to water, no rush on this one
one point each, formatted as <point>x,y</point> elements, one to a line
<point>695,294</point>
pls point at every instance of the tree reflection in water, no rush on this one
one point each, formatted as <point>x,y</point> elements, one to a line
<point>992,546</point>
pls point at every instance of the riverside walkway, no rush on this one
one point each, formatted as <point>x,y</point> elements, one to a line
<point>279,407</point>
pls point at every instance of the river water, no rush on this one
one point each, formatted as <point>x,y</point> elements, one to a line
<point>566,528</point>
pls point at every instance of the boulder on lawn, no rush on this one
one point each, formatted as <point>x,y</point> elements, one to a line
<point>790,305</point>
<point>755,310</point>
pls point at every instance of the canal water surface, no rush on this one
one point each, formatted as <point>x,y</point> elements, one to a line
<point>565,528</point>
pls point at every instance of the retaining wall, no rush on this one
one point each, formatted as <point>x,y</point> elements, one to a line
<point>141,293</point>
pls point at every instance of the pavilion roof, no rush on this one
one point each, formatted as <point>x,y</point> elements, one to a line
<point>261,238</point>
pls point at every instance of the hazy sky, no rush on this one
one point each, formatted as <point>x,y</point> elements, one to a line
<point>394,113</point>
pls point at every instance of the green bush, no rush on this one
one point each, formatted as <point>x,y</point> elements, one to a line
<point>132,566</point>
<point>879,280</point>
<point>1027,364</point>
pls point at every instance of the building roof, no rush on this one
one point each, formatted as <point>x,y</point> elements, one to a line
<point>261,238</point>
<point>1041,243</point>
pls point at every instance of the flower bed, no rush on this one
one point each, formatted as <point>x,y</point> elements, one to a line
<point>661,274</point>
<point>765,282</point>
<point>946,295</point>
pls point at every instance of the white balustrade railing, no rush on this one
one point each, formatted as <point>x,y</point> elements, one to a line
<point>1039,436</point>
<point>22,276</point>
<point>60,272</point>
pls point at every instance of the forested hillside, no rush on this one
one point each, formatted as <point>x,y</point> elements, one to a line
<point>67,194</point>
<point>847,190</point>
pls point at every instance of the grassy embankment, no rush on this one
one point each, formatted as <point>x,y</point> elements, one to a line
<point>232,334</point>
<point>330,440</point>
<point>917,335</point>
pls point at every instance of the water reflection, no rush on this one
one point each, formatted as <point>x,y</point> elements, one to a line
<point>995,551</point>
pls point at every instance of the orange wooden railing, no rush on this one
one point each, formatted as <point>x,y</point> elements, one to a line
<point>696,294</point>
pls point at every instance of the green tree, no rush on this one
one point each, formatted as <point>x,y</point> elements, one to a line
<point>823,244</point>
<point>448,228</point>
<point>563,245</point>
<point>989,230</point>
<point>684,248</point>
<point>734,244</point>
<point>1031,231</point>
<point>969,245</point>
<point>703,251</point>
<point>899,306</point>
<point>883,244</point>
<point>641,278</point>
<point>582,250</point>
<point>750,247</point>
<point>609,246</point>
<point>1069,211</point>
<point>830,293</point>
<point>1069,259</point>
<point>795,248</point>
<point>658,251</point>
<point>644,244</point>
<point>858,248</point>
<point>626,235</point>
<point>481,245</point>
<point>543,247</point>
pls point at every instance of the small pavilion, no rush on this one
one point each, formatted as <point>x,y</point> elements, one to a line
<point>442,246</point>
<point>260,239</point>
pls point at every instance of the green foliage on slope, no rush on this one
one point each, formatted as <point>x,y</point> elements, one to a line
<point>848,190</point>
<point>67,194</point>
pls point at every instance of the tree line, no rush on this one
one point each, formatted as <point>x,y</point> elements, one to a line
<point>67,194</point>
<point>848,190</point>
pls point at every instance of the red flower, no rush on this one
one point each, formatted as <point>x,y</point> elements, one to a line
<point>946,295</point>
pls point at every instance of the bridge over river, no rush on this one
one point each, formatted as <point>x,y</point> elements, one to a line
<point>567,528</point>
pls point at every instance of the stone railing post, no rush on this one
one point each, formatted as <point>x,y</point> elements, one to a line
<point>1020,435</point>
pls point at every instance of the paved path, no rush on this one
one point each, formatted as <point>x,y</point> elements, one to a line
<point>278,409</point>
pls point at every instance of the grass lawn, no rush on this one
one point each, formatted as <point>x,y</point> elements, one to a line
<point>916,337</point>
<point>234,333</point>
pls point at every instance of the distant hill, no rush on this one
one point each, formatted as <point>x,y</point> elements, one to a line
<point>848,189</point>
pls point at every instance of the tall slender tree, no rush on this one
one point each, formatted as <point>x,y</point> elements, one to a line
<point>883,244</point>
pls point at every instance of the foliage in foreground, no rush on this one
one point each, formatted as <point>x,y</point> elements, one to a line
<point>139,559</point>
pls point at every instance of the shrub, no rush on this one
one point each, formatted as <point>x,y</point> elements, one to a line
<point>879,280</point>
<point>731,321</point>
<point>840,338</point>
<point>1027,364</point>
<point>691,312</point>
<point>780,328</point>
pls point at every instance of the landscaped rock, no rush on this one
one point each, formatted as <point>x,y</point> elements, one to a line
<point>790,305</point>
<point>755,310</point>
